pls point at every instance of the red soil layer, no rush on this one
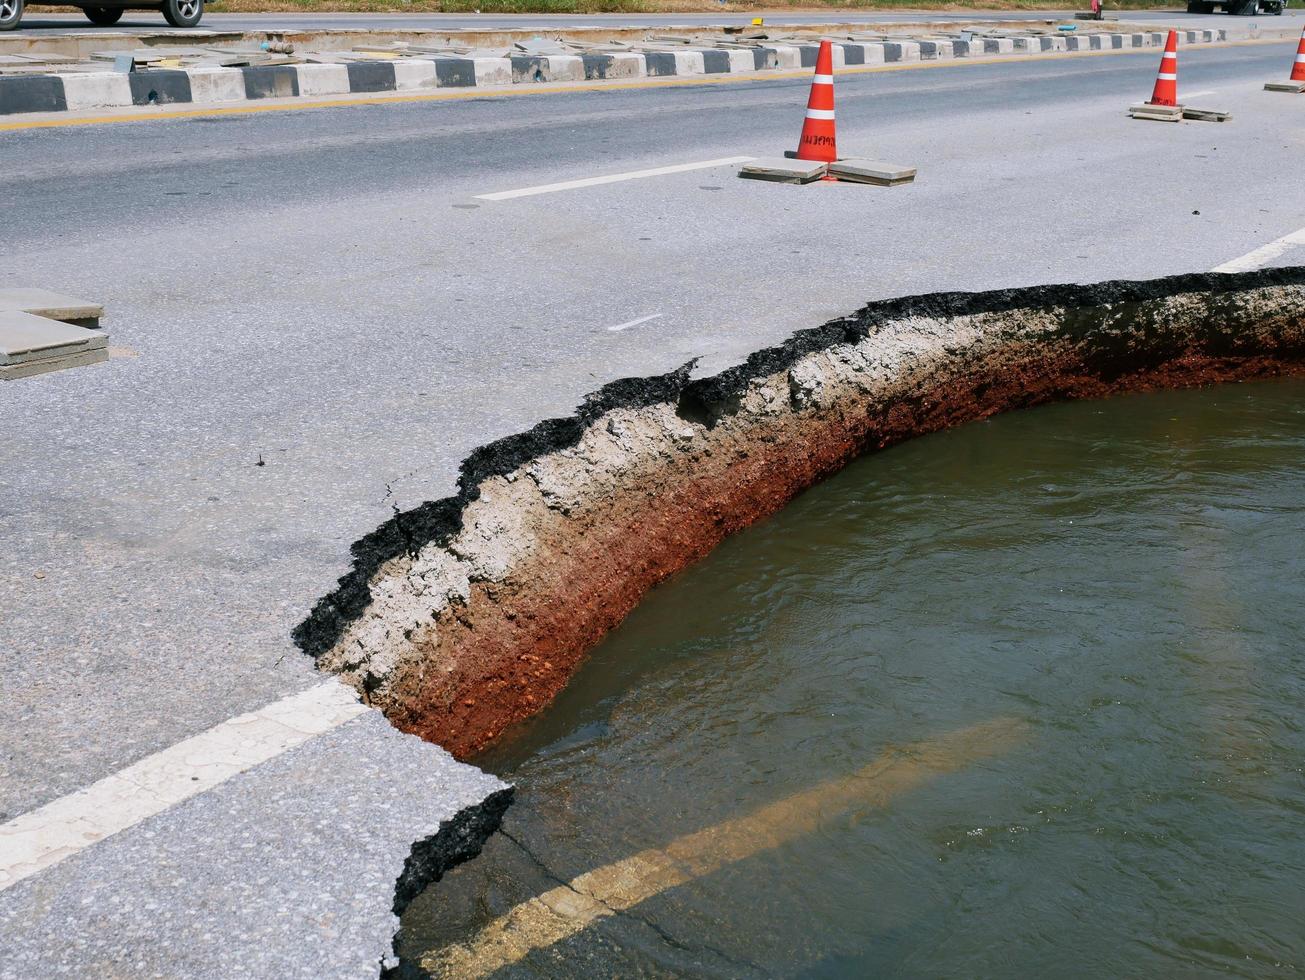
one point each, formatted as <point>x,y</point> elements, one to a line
<point>515,645</point>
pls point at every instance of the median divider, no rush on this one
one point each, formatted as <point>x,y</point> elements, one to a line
<point>218,80</point>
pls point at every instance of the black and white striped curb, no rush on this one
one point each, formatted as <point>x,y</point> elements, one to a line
<point>83,90</point>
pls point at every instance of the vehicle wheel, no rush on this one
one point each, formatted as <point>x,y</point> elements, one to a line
<point>103,16</point>
<point>182,13</point>
<point>11,12</point>
<point>1249,8</point>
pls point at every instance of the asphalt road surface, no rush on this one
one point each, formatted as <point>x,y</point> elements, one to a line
<point>317,317</point>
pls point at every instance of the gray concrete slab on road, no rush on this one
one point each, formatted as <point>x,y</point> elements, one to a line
<point>48,303</point>
<point>315,349</point>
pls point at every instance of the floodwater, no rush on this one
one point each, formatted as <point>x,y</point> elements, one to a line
<point>1025,698</point>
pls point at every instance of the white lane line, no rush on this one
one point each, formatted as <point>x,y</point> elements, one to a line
<point>1197,95</point>
<point>1265,254</point>
<point>570,185</point>
<point>45,836</point>
<point>634,323</point>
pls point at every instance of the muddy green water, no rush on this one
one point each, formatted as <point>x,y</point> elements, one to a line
<point>1122,580</point>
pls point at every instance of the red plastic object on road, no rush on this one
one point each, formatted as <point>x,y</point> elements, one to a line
<point>1298,71</point>
<point>1166,83</point>
<point>818,141</point>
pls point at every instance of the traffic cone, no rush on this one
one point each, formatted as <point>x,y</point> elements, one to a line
<point>818,142</point>
<point>1166,82</point>
<point>1297,82</point>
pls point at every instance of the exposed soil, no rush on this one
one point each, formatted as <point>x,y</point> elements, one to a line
<point>471,613</point>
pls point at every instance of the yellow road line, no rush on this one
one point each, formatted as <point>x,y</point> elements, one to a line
<point>550,88</point>
<point>567,910</point>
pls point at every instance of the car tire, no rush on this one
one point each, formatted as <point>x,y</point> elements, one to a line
<point>183,13</point>
<point>103,16</point>
<point>11,12</point>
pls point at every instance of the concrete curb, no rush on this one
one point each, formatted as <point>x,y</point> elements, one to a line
<point>63,92</point>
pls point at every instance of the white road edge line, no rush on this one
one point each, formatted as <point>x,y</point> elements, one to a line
<point>45,836</point>
<point>1264,254</point>
<point>570,185</point>
<point>635,323</point>
<point>1197,95</point>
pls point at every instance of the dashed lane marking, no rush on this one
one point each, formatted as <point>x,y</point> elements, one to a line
<point>45,836</point>
<point>567,910</point>
<point>634,323</point>
<point>1265,254</point>
<point>571,185</point>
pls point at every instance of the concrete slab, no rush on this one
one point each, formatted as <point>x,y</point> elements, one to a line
<point>1294,87</point>
<point>1159,113</point>
<point>1206,115</point>
<point>784,171</point>
<point>27,337</point>
<point>47,303</point>
<point>859,171</point>
<point>28,369</point>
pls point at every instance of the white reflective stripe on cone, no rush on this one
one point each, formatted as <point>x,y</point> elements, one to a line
<point>1167,78</point>
<point>823,80</point>
<point>820,113</point>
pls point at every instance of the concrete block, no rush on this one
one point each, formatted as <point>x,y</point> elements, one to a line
<point>51,305</point>
<point>26,337</point>
<point>741,60</point>
<point>1294,87</point>
<point>216,84</point>
<point>371,76</point>
<point>784,171</point>
<point>159,86</point>
<point>715,61</point>
<point>96,90</point>
<point>901,51</point>
<point>786,56</point>
<point>414,73</point>
<point>548,68</point>
<point>1160,113</point>
<point>1206,115</point>
<point>619,64</point>
<point>860,171</point>
<point>31,93</point>
<point>935,50</point>
<point>873,53</point>
<point>323,79</point>
<point>271,81</point>
<point>494,71</point>
<point>60,362</point>
<point>689,63</point>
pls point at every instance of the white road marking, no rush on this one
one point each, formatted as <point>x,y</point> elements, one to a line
<point>1197,95</point>
<point>45,836</point>
<point>570,185</point>
<point>635,323</point>
<point>1265,254</point>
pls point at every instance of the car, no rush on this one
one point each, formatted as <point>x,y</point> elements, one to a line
<point>1247,8</point>
<point>178,13</point>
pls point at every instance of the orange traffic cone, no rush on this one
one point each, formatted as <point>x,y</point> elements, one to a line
<point>1166,83</point>
<point>818,142</point>
<point>1298,70</point>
